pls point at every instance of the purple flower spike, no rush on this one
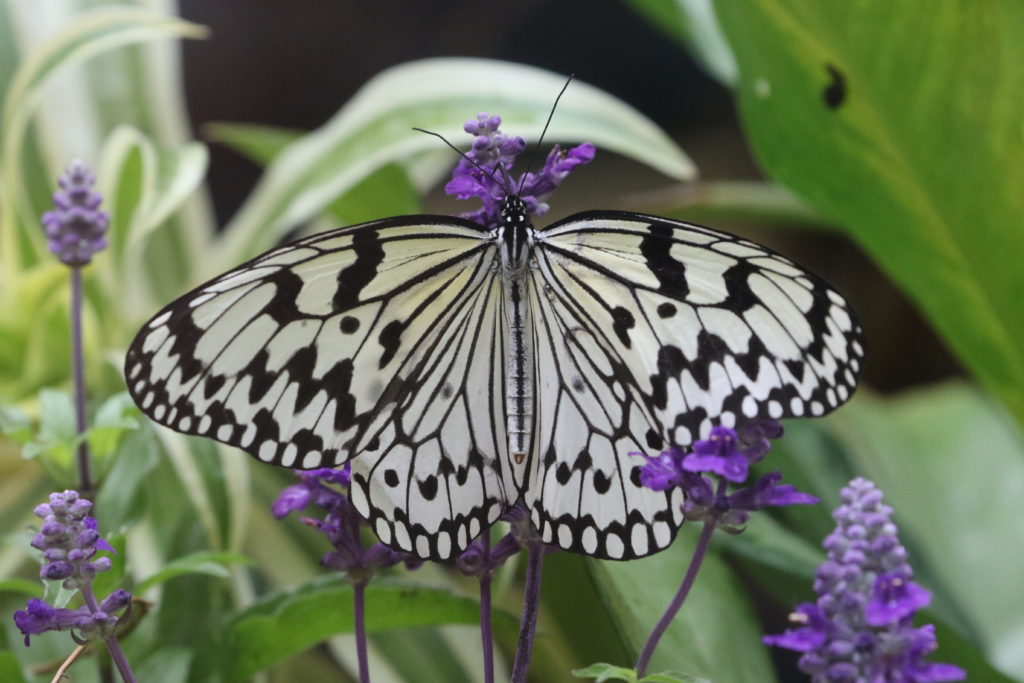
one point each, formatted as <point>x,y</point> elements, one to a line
<point>486,175</point>
<point>69,540</point>
<point>76,228</point>
<point>860,629</point>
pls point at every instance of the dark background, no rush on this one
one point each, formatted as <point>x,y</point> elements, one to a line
<point>295,63</point>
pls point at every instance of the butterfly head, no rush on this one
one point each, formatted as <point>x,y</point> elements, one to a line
<point>514,212</point>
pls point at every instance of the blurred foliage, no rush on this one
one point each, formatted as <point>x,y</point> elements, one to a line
<point>907,138</point>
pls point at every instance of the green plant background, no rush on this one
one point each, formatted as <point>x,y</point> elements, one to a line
<point>899,125</point>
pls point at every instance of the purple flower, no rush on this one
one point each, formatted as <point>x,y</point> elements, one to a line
<point>312,490</point>
<point>860,628</point>
<point>39,617</point>
<point>485,175</point>
<point>719,454</point>
<point>76,228</point>
<point>69,540</point>
<point>726,455</point>
<point>341,523</point>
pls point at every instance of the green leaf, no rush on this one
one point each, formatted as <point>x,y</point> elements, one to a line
<point>207,562</point>
<point>606,672</point>
<point>126,480</point>
<point>609,672</point>
<point>10,668</point>
<point>143,186</point>
<point>386,191</point>
<point>15,424</point>
<point>715,623</point>
<point>283,624</point>
<point>375,129</point>
<point>914,146</point>
<point>113,418</point>
<point>30,588</point>
<point>258,143</point>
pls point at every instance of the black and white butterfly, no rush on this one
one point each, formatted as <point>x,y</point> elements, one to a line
<point>461,369</point>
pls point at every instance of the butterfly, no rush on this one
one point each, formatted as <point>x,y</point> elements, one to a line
<point>461,368</point>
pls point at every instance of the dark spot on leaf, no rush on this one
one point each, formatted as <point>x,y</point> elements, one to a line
<point>835,91</point>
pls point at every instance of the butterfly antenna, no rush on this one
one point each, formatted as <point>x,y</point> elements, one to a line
<point>489,174</point>
<point>533,159</point>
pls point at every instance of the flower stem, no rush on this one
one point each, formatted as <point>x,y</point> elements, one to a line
<point>78,369</point>
<point>359,606</point>
<point>531,608</point>
<point>485,611</point>
<point>684,588</point>
<point>113,646</point>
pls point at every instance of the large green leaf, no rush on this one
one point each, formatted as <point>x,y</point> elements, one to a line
<point>902,122</point>
<point>375,129</point>
<point>715,623</point>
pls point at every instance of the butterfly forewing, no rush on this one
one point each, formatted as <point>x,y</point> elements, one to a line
<point>376,340</point>
<point>650,332</point>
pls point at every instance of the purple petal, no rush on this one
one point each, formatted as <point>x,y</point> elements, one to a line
<point>893,598</point>
<point>808,637</point>
<point>294,497</point>
<point>660,473</point>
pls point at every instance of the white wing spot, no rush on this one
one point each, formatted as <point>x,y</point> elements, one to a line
<point>444,544</point>
<point>796,406</point>
<point>291,452</point>
<point>564,535</point>
<point>204,424</point>
<point>314,459</point>
<point>268,449</point>
<point>383,530</point>
<point>749,406</point>
<point>613,546</point>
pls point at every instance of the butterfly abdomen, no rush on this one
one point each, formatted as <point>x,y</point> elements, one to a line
<point>519,396</point>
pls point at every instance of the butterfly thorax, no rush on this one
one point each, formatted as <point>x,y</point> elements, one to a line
<point>514,247</point>
<point>513,237</point>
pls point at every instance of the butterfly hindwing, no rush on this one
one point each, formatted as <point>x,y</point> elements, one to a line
<point>652,331</point>
<point>584,492</point>
<point>332,347</point>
